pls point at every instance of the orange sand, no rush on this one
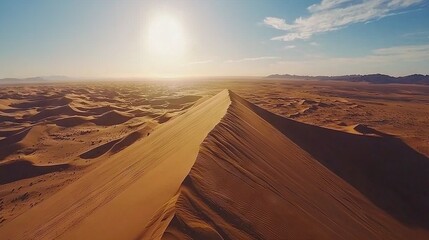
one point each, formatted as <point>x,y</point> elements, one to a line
<point>223,168</point>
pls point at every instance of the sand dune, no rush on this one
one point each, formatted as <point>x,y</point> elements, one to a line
<point>377,167</point>
<point>44,126</point>
<point>113,117</point>
<point>99,150</point>
<point>228,169</point>
<point>65,110</point>
<point>62,101</point>
<point>141,113</point>
<point>72,121</point>
<point>163,118</point>
<point>131,138</point>
<point>9,132</point>
<point>4,104</point>
<point>6,118</point>
<point>365,130</point>
<point>21,140</point>
<point>100,110</point>
<point>117,145</point>
<point>255,178</point>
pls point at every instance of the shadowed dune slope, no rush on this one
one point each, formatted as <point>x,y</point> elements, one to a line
<point>387,171</point>
<point>66,110</point>
<point>20,169</point>
<point>25,138</point>
<point>112,118</point>
<point>131,189</point>
<point>252,181</point>
<point>46,101</point>
<point>117,145</point>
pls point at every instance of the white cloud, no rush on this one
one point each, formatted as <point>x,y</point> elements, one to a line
<point>326,5</point>
<point>277,23</point>
<point>289,47</point>
<point>331,15</point>
<point>314,44</point>
<point>252,59</point>
<point>403,53</point>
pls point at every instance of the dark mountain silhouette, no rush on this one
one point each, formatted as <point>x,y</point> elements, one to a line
<point>371,78</point>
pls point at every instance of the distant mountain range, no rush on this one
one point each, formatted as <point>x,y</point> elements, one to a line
<point>371,78</point>
<point>34,79</point>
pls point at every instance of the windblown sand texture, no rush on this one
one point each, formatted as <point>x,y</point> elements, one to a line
<point>179,164</point>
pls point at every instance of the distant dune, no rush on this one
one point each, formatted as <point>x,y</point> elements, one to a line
<point>371,78</point>
<point>227,169</point>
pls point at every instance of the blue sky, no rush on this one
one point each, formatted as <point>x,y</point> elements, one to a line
<point>85,38</point>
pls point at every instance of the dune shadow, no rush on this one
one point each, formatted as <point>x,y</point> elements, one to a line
<point>6,151</point>
<point>127,141</point>
<point>43,102</point>
<point>98,151</point>
<point>367,130</point>
<point>112,118</point>
<point>115,146</point>
<point>21,169</point>
<point>387,171</point>
<point>71,121</point>
<point>11,144</point>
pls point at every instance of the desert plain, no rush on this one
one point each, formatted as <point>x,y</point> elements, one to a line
<point>219,158</point>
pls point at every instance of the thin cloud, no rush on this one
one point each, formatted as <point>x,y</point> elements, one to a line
<point>252,59</point>
<point>326,5</point>
<point>406,53</point>
<point>289,47</point>
<point>416,35</point>
<point>331,15</point>
<point>399,60</point>
<point>402,53</point>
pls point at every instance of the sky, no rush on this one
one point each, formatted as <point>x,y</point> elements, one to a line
<point>192,38</point>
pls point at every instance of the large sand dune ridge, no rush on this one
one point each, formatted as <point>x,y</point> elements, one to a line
<point>261,176</point>
<point>227,169</point>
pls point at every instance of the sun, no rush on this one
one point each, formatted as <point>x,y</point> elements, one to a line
<point>165,38</point>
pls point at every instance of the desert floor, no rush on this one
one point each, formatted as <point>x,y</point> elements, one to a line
<point>266,159</point>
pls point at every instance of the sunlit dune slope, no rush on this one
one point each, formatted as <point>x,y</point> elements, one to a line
<point>261,176</point>
<point>120,197</point>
